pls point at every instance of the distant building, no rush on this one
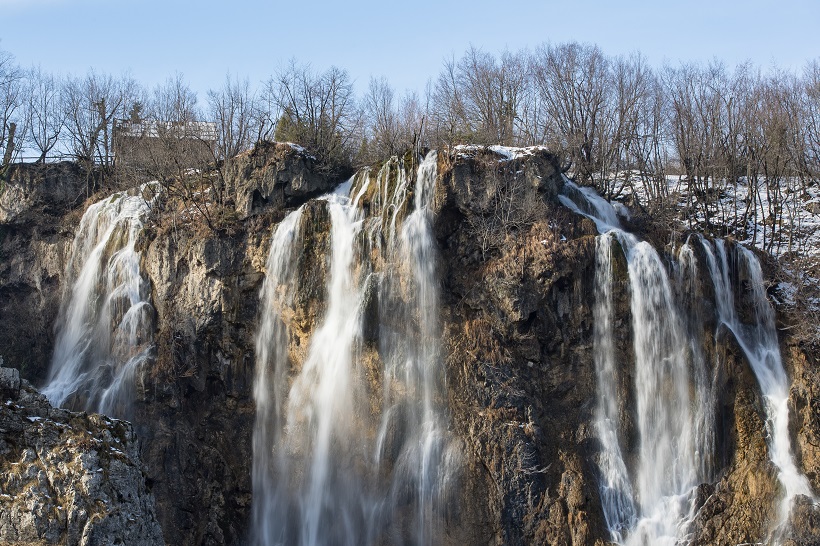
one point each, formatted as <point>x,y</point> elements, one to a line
<point>155,146</point>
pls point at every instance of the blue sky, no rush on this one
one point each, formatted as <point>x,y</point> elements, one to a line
<point>405,42</point>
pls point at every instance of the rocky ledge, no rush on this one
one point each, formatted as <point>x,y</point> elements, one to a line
<point>68,478</point>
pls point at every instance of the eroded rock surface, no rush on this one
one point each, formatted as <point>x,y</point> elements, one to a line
<point>275,175</point>
<point>518,325</point>
<point>39,212</point>
<point>516,272</point>
<point>69,478</point>
<point>42,188</point>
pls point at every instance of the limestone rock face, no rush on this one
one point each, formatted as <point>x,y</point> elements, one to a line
<point>516,271</point>
<point>275,175</point>
<point>39,212</point>
<point>69,478</point>
<point>518,325</point>
<point>195,409</point>
<point>805,393</point>
<point>738,507</point>
<point>37,188</point>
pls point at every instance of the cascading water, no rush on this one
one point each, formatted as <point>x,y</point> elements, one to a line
<point>674,385</point>
<point>269,506</point>
<point>303,495</point>
<point>105,325</point>
<point>666,470</point>
<point>652,505</point>
<point>327,469</point>
<point>758,340</point>
<point>413,361</point>
<point>616,490</point>
<point>704,375</point>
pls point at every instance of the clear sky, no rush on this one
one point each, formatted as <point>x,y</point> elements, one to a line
<point>405,42</point>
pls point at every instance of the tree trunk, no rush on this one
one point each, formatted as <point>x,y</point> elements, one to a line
<point>10,145</point>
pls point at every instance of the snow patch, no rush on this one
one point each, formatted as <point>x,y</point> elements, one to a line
<point>299,149</point>
<point>507,153</point>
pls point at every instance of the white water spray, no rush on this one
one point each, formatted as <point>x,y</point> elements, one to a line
<point>105,325</point>
<point>325,471</point>
<point>704,373</point>
<point>674,385</point>
<point>652,505</point>
<point>666,473</point>
<point>759,343</point>
<point>269,505</point>
<point>615,488</point>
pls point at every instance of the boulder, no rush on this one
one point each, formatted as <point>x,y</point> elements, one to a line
<point>69,478</point>
<point>275,175</point>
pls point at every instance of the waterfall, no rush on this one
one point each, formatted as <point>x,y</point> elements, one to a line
<point>328,467</point>
<point>651,501</point>
<point>616,491</point>
<point>105,324</point>
<point>705,375</point>
<point>413,360</point>
<point>759,343</point>
<point>271,378</point>
<point>666,472</point>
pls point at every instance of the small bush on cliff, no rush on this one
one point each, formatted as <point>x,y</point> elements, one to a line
<point>511,206</point>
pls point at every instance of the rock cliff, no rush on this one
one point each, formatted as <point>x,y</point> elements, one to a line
<point>516,270</point>
<point>38,216</point>
<point>69,478</point>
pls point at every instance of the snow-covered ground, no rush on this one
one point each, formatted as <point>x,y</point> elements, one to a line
<point>795,242</point>
<point>798,229</point>
<point>506,153</point>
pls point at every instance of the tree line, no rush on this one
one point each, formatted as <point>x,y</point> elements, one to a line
<point>735,150</point>
<point>618,123</point>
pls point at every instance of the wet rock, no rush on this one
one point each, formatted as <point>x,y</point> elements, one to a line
<point>805,395</point>
<point>516,273</point>
<point>195,410</point>
<point>9,382</point>
<point>803,527</point>
<point>520,371</point>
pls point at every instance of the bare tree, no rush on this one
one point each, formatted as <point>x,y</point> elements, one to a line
<point>174,101</point>
<point>391,126</point>
<point>236,113</point>
<point>647,149</point>
<point>412,116</point>
<point>810,118</point>
<point>179,150</point>
<point>317,111</point>
<point>90,106</point>
<point>493,93</point>
<point>534,124</point>
<point>448,112</point>
<point>697,98</point>
<point>46,118</point>
<point>572,82</point>
<point>170,141</point>
<point>383,127</point>
<point>11,101</point>
<point>477,99</point>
